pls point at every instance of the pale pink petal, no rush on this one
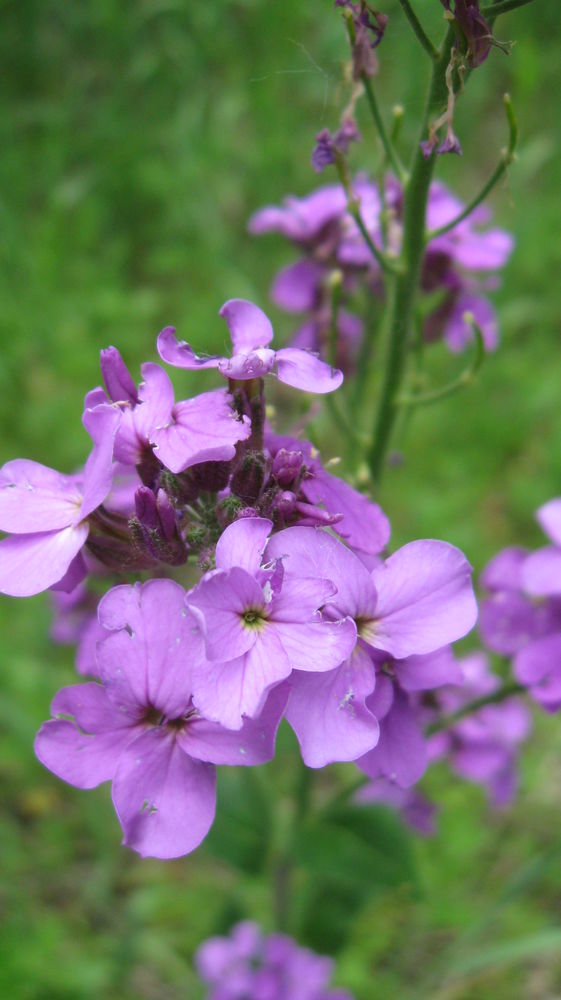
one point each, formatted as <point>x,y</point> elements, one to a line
<point>164,800</point>
<point>32,563</point>
<point>222,599</point>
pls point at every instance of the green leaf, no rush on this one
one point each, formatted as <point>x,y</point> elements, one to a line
<point>240,834</point>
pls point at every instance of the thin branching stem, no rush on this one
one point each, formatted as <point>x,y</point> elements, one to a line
<point>419,30</point>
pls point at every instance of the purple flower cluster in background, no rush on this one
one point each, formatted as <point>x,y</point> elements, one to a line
<point>521,616</point>
<point>250,965</point>
<point>459,266</point>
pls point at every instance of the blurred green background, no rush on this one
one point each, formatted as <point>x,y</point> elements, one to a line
<point>137,138</point>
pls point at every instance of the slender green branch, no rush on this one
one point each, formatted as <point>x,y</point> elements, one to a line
<point>332,401</point>
<point>404,288</point>
<point>419,30</point>
<point>461,382</point>
<point>507,157</point>
<point>494,698</point>
<point>502,7</point>
<point>386,263</point>
<point>390,152</point>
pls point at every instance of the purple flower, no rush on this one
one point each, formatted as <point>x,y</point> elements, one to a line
<point>483,746</point>
<point>247,965</point>
<point>417,811</point>
<point>260,624</point>
<point>46,513</point>
<point>251,332</point>
<point>154,428</point>
<point>413,603</point>
<point>139,728</point>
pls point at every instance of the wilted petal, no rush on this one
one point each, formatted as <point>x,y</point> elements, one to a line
<point>249,327</point>
<point>425,599</point>
<point>164,800</point>
<point>34,498</point>
<point>303,370</point>
<point>202,429</point>
<point>32,563</point>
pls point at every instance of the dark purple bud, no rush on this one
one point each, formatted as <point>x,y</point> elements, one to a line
<point>250,476</point>
<point>473,35</point>
<point>247,512</point>
<point>369,27</point>
<point>211,476</point>
<point>287,466</point>
<point>118,380</point>
<point>145,507</point>
<point>166,514</point>
<point>285,503</point>
<point>428,146</point>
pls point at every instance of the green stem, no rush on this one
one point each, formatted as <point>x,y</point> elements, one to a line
<point>405,285</point>
<point>418,29</point>
<point>506,691</point>
<point>506,159</point>
<point>393,158</point>
<point>461,382</point>
<point>502,6</point>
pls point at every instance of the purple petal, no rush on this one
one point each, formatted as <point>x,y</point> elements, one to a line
<point>301,219</point>
<point>487,251</point>
<point>164,800</point>
<point>401,752</point>
<point>296,287</point>
<point>422,673</point>
<point>316,646</point>
<point>82,760</point>
<point>538,659</point>
<point>101,423</point>
<point>504,571</point>
<point>548,517</point>
<point>300,598</point>
<point>35,498</point>
<point>249,327</point>
<point>147,662</point>
<point>313,552</point>
<point>541,573</point>
<point>303,370</point>
<point>458,332</point>
<point>328,713</point>
<point>224,692</point>
<point>222,599</point>
<point>244,366</point>
<point>507,621</point>
<point>425,599</point>
<point>242,544</point>
<point>364,526</point>
<point>178,353</point>
<point>32,563</point>
<point>202,429</point>
<point>253,744</point>
<point>76,572</point>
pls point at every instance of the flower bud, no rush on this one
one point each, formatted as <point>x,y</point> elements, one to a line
<point>118,380</point>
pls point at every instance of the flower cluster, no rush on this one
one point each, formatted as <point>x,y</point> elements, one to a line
<point>297,611</point>
<point>249,965</point>
<point>330,241</point>
<point>521,616</point>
